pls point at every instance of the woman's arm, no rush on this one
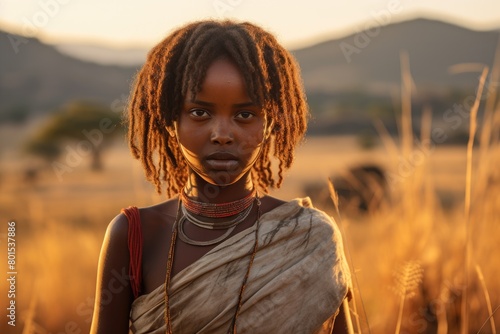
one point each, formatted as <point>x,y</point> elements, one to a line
<point>113,293</point>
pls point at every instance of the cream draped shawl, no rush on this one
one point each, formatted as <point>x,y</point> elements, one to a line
<point>297,283</point>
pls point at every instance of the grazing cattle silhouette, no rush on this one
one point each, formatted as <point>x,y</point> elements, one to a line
<point>361,189</point>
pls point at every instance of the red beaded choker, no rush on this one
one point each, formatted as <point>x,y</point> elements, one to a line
<point>217,210</point>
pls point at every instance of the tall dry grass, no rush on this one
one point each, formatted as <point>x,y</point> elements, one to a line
<point>458,290</point>
<point>60,226</point>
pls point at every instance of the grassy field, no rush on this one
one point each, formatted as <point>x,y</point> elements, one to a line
<point>408,257</point>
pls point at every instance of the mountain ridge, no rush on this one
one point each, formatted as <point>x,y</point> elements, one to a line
<point>40,78</point>
<point>134,55</point>
<point>433,44</point>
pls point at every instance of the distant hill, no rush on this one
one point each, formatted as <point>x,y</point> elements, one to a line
<point>373,61</point>
<point>39,78</point>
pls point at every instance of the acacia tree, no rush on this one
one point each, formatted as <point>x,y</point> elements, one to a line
<point>76,130</point>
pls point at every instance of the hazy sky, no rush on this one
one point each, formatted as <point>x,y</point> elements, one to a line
<point>296,23</point>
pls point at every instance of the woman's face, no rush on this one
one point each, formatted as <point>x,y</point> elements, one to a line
<point>220,129</point>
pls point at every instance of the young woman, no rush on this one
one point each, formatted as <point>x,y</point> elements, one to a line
<point>210,106</point>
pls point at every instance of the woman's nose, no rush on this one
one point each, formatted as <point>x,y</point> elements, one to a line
<point>222,131</point>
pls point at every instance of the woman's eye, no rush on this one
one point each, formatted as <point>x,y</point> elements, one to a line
<point>198,113</point>
<point>245,115</point>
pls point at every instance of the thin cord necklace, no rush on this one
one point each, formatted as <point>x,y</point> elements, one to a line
<point>216,214</point>
<point>190,241</point>
<point>230,226</point>
<point>170,261</point>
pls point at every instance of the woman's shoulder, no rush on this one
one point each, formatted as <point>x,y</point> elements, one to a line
<point>157,216</point>
<point>118,227</point>
<point>320,218</point>
<point>303,212</point>
<point>161,210</point>
<point>297,208</point>
<point>308,208</point>
<point>148,218</point>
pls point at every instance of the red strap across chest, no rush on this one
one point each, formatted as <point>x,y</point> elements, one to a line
<point>134,248</point>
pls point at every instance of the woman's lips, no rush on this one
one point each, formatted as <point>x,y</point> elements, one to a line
<point>222,164</point>
<point>222,161</point>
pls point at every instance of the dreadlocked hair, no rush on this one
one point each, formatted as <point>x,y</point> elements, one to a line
<point>177,67</point>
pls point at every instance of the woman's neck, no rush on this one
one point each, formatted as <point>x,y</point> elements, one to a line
<point>201,190</point>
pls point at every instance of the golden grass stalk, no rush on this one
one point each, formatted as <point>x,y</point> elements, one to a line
<point>348,320</point>
<point>406,134</point>
<point>386,138</point>
<point>491,98</point>
<point>335,199</point>
<point>422,174</point>
<point>486,297</point>
<point>389,145</point>
<point>467,206</point>
<point>441,316</point>
<point>488,123</point>
<point>406,124</point>
<point>407,281</point>
<point>29,321</point>
<point>345,304</point>
<point>486,321</point>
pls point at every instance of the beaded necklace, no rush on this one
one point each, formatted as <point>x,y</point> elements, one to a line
<point>217,210</point>
<point>170,261</point>
<point>216,224</point>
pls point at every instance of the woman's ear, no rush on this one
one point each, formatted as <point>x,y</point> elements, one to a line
<point>171,130</point>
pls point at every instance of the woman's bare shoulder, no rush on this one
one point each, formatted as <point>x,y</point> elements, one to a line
<point>156,219</point>
<point>168,207</point>
<point>158,214</point>
<point>118,228</point>
<point>150,218</point>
